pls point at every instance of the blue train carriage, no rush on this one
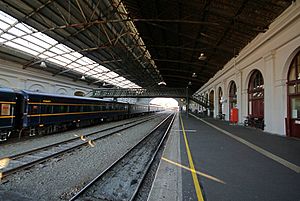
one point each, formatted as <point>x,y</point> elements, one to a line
<point>49,113</point>
<point>8,99</point>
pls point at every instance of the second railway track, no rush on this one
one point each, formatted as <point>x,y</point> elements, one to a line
<point>122,179</point>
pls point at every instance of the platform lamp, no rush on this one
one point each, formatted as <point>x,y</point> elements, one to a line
<point>43,64</point>
<point>202,56</point>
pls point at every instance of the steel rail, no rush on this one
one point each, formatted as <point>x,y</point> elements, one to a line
<point>152,159</point>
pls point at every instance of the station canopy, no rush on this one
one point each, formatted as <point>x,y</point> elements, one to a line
<point>132,43</point>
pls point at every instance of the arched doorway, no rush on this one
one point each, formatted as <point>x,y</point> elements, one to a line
<point>220,95</point>
<point>256,99</point>
<point>293,91</point>
<point>232,96</point>
<point>211,103</point>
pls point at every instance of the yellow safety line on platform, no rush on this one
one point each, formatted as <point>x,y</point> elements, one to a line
<point>256,148</point>
<point>194,175</point>
<point>197,172</point>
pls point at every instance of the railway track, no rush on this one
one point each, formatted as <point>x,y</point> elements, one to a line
<point>122,179</point>
<point>30,158</point>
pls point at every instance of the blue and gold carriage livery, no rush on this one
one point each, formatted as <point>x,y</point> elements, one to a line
<point>25,112</point>
<point>8,122</point>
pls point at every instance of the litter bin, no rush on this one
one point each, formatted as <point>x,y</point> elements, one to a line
<point>234,118</point>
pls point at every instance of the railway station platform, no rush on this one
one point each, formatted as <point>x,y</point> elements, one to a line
<point>209,159</point>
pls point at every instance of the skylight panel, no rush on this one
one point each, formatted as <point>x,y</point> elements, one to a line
<point>120,79</point>
<point>91,72</point>
<point>49,54</point>
<point>45,38</point>
<point>24,28</point>
<point>71,57</point>
<point>7,18</point>
<point>63,48</point>
<point>79,70</point>
<point>63,59</point>
<point>16,32</point>
<point>37,41</point>
<point>76,54</point>
<point>91,66</point>
<point>22,48</point>
<point>29,44</point>
<point>56,50</point>
<point>102,68</point>
<point>83,68</point>
<point>126,82</point>
<point>112,74</point>
<point>8,36</point>
<point>57,61</point>
<point>2,40</point>
<point>87,60</point>
<point>3,25</point>
<point>81,62</point>
<point>103,77</point>
<point>73,65</point>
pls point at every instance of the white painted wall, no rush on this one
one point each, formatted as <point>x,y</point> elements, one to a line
<point>12,75</point>
<point>270,53</point>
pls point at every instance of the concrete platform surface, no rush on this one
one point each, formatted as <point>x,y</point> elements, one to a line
<point>231,162</point>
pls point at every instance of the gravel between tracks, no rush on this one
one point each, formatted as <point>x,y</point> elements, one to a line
<point>60,178</point>
<point>36,142</point>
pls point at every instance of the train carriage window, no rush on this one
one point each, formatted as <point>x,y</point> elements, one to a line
<point>46,109</point>
<point>91,108</point>
<point>33,109</point>
<point>64,108</point>
<point>60,109</point>
<point>5,109</point>
<point>55,109</point>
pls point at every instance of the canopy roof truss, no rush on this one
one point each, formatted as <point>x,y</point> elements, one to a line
<point>133,43</point>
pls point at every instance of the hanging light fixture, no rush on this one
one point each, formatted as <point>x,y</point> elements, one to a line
<point>82,77</point>
<point>202,56</point>
<point>43,64</point>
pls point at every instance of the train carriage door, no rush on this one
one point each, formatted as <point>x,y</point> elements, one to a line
<point>293,91</point>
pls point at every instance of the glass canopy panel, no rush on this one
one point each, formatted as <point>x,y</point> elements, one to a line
<point>8,36</point>
<point>16,32</point>
<point>27,39</point>
<point>3,25</point>
<point>22,48</point>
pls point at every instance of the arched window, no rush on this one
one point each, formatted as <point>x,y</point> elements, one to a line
<point>256,95</point>
<point>293,88</point>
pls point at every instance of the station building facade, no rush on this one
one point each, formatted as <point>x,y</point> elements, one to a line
<point>263,80</point>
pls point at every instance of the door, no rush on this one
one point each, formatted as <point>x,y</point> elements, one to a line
<point>294,116</point>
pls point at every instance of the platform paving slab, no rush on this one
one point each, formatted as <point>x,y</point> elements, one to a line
<point>167,184</point>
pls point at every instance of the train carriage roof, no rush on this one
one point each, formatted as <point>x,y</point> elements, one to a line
<point>66,97</point>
